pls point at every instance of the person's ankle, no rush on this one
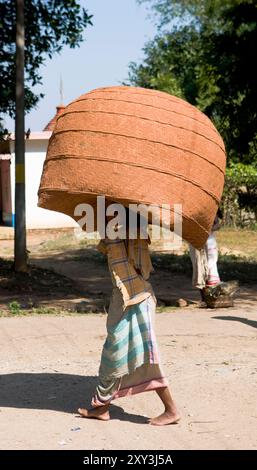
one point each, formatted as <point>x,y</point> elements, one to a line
<point>170,409</point>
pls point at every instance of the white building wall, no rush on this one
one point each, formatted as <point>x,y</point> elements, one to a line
<point>36,217</point>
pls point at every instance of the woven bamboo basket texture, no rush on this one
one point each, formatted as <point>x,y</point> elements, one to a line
<point>135,145</point>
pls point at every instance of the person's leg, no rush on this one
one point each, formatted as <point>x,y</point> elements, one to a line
<point>200,266</point>
<point>212,255</point>
<point>170,414</point>
<point>100,412</point>
<point>104,393</point>
<point>106,386</point>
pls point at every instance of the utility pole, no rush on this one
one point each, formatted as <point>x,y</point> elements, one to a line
<point>20,252</point>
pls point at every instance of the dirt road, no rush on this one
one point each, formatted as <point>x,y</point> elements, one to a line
<point>49,365</point>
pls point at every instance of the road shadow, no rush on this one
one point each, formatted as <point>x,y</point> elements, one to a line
<point>67,278</point>
<point>246,321</point>
<point>54,391</point>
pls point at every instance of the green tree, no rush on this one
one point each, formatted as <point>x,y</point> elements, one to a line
<point>170,64</point>
<point>205,51</point>
<point>49,25</point>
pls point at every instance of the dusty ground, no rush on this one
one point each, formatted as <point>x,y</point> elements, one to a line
<point>86,281</point>
<point>49,365</point>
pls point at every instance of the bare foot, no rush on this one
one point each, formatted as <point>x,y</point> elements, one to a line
<point>101,412</point>
<point>167,417</point>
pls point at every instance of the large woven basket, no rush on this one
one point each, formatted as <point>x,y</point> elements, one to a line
<point>136,145</point>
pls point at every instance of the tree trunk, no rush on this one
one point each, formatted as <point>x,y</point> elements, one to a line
<point>20,260</point>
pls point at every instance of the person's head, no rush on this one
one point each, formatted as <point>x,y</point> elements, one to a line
<point>136,224</point>
<point>133,225</point>
<point>220,213</point>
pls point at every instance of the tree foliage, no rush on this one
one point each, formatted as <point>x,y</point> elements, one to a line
<point>205,52</point>
<point>49,25</point>
<point>239,201</point>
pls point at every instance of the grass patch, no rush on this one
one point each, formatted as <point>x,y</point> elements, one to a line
<point>89,254</point>
<point>47,311</point>
<point>239,268</point>
<point>179,264</point>
<point>67,241</point>
<point>164,309</point>
<point>230,267</point>
<point>36,280</point>
<point>242,242</point>
<point>14,308</point>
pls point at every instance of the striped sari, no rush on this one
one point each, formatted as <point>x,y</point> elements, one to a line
<point>130,360</point>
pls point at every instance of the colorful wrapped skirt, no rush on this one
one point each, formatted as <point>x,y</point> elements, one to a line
<point>130,359</point>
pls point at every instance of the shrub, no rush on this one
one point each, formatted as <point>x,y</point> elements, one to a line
<point>239,201</point>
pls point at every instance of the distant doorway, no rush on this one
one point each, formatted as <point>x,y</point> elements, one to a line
<point>5,190</point>
<point>1,202</point>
